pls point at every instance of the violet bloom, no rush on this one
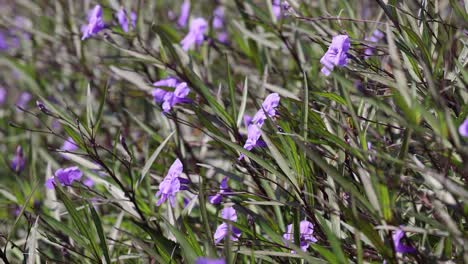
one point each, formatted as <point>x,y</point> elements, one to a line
<point>224,188</point>
<point>95,23</point>
<point>23,100</point>
<point>397,236</point>
<point>218,24</point>
<point>196,36</point>
<point>209,261</point>
<point>169,99</point>
<point>222,231</point>
<point>3,95</point>
<point>253,135</point>
<point>18,162</point>
<point>223,37</point>
<point>89,182</point>
<point>377,35</point>
<point>133,19</point>
<point>69,145</point>
<point>3,42</point>
<point>65,177</point>
<point>463,128</point>
<point>184,13</point>
<point>268,108</point>
<point>247,120</point>
<point>276,8</point>
<point>172,184</point>
<point>306,237</point>
<point>254,124</point>
<point>123,19</point>
<point>218,17</point>
<point>336,54</point>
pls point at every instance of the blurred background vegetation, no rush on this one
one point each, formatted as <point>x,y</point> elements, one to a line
<point>370,149</point>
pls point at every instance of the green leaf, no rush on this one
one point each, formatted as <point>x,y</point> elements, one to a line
<point>333,240</point>
<point>187,249</point>
<point>153,157</point>
<point>100,231</point>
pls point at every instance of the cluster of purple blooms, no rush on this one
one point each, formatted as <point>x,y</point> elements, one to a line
<point>123,19</point>
<point>335,56</point>
<point>219,24</point>
<point>96,21</point>
<point>254,124</point>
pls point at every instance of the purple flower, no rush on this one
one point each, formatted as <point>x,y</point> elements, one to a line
<point>3,95</point>
<point>247,120</point>
<point>65,177</point>
<point>255,124</point>
<point>336,54</point>
<point>218,17</point>
<point>18,162</point>
<point>56,125</point>
<point>184,13</point>
<point>463,128</point>
<point>397,236</point>
<point>69,145</point>
<point>209,261</point>
<point>222,231</point>
<point>49,184</point>
<point>171,184</point>
<point>196,36</point>
<point>306,230</point>
<point>218,24</point>
<point>3,42</point>
<point>42,107</point>
<point>253,135</point>
<point>377,35</point>
<point>133,18</point>
<point>276,8</point>
<point>169,99</point>
<point>95,23</point>
<point>224,188</point>
<point>223,37</point>
<point>89,182</point>
<point>123,20</point>
<point>23,99</point>
<point>269,107</point>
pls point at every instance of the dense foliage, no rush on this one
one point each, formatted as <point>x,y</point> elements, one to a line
<point>247,131</point>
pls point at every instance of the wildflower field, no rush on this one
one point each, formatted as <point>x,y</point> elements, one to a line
<point>233,131</point>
